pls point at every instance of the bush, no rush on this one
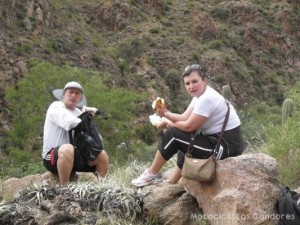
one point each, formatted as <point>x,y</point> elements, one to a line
<point>173,80</point>
<point>30,101</point>
<point>283,145</point>
<point>219,13</point>
<point>283,141</point>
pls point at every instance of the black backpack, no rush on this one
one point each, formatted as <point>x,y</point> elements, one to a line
<point>85,137</point>
<point>288,207</point>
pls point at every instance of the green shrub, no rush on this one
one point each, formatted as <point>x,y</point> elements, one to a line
<point>96,58</point>
<point>79,40</point>
<point>23,48</point>
<point>154,30</point>
<point>147,133</point>
<point>219,13</point>
<point>194,56</point>
<point>219,77</point>
<point>216,44</point>
<point>283,144</point>
<point>173,80</point>
<point>283,141</point>
<point>30,101</point>
<point>255,117</point>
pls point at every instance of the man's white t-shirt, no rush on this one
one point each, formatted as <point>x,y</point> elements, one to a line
<point>59,120</point>
<point>212,105</point>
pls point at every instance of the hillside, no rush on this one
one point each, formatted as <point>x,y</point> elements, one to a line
<point>254,46</point>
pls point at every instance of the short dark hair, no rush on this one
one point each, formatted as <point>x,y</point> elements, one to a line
<point>194,68</point>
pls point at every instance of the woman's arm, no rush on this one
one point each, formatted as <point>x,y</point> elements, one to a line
<point>173,117</point>
<point>191,124</point>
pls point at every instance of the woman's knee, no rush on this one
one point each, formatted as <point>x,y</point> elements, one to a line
<point>170,132</point>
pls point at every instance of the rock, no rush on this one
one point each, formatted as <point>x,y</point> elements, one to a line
<point>244,192</point>
<point>21,68</point>
<point>12,186</point>
<point>170,204</point>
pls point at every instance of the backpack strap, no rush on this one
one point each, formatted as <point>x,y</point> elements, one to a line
<point>71,137</point>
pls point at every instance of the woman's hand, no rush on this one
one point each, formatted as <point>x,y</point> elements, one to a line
<point>161,111</point>
<point>163,124</point>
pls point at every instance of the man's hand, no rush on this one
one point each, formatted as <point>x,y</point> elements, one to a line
<point>92,109</point>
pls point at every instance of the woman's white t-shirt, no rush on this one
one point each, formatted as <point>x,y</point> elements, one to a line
<point>212,105</point>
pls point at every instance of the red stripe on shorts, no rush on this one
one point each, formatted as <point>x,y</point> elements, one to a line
<point>52,160</point>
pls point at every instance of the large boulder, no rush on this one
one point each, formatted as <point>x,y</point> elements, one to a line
<point>245,191</point>
<point>170,204</point>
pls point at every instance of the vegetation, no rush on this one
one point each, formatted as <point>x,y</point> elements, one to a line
<point>29,103</point>
<point>109,200</point>
<point>264,132</point>
<point>287,110</point>
<point>142,56</point>
<point>226,92</point>
<point>283,142</point>
<point>262,125</point>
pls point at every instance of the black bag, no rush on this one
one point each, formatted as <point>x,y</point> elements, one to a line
<point>85,137</point>
<point>288,207</point>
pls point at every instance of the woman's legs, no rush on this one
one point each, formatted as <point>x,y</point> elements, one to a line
<point>173,141</point>
<point>157,163</point>
<point>175,176</point>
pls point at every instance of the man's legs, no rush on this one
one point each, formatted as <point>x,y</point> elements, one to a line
<point>101,163</point>
<point>65,162</point>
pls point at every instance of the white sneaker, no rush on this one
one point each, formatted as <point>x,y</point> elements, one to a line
<point>147,179</point>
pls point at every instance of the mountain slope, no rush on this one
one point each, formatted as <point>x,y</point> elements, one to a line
<point>252,45</point>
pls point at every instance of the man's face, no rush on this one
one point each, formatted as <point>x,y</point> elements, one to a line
<point>194,84</point>
<point>72,97</point>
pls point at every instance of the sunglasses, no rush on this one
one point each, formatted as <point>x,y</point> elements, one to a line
<point>194,67</point>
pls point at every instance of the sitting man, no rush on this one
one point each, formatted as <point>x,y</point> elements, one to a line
<point>59,156</point>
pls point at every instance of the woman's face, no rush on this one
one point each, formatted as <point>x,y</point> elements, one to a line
<point>194,84</point>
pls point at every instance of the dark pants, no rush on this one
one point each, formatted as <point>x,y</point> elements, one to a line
<point>175,140</point>
<point>80,163</point>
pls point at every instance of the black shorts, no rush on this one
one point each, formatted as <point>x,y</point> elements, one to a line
<point>80,163</point>
<point>176,141</point>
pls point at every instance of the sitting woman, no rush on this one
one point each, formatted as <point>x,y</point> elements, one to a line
<point>206,111</point>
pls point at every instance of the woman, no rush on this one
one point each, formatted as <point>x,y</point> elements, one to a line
<point>206,111</point>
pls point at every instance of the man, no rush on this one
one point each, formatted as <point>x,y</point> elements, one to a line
<point>59,155</point>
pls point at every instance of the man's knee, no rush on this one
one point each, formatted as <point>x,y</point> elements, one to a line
<point>103,156</point>
<point>66,151</point>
